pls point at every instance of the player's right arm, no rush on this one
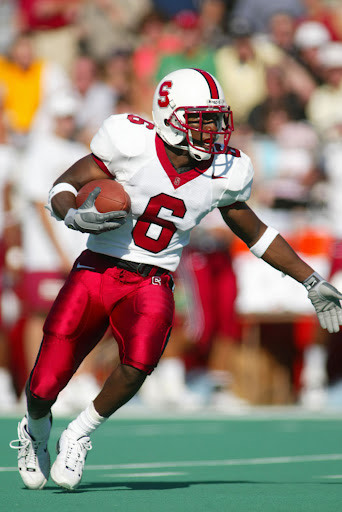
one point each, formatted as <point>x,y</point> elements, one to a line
<point>86,218</point>
<point>80,173</point>
<point>111,143</point>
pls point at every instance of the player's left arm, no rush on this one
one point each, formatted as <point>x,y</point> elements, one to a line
<point>266,243</point>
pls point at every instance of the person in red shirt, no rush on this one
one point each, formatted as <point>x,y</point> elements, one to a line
<point>53,25</point>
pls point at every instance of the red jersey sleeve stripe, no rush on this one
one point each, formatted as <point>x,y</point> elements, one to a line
<point>102,166</point>
<point>211,83</point>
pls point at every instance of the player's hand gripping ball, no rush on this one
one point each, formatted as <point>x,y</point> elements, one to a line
<point>112,197</point>
<point>102,205</point>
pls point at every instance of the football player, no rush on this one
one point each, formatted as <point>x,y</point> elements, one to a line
<point>176,170</point>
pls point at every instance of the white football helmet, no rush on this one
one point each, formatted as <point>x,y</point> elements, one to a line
<point>192,91</point>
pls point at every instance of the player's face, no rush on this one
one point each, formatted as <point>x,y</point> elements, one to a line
<point>202,127</point>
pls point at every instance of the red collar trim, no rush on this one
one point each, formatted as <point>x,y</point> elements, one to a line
<point>176,179</point>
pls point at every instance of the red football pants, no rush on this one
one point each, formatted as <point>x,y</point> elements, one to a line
<point>139,310</point>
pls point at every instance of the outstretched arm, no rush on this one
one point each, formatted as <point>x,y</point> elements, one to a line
<point>279,254</point>
<point>273,248</point>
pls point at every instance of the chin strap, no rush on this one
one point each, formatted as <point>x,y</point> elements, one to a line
<point>197,154</point>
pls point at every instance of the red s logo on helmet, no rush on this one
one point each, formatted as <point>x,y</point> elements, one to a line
<point>163,100</point>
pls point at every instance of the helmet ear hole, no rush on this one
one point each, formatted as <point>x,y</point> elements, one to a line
<point>166,122</point>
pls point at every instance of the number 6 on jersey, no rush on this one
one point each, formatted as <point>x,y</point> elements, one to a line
<point>150,217</point>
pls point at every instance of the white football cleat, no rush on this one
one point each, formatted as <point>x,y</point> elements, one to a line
<point>33,458</point>
<point>68,467</point>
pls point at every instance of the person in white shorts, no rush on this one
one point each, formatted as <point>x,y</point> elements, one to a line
<point>48,249</point>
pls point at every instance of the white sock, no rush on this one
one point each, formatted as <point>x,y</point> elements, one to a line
<point>39,429</point>
<point>86,422</point>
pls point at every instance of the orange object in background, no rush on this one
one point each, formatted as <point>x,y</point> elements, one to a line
<point>312,242</point>
<point>309,241</point>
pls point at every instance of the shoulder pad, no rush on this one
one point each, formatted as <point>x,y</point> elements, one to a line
<point>241,173</point>
<point>236,168</point>
<point>127,134</point>
<point>233,152</point>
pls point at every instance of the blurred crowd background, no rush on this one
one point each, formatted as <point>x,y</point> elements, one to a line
<point>244,334</point>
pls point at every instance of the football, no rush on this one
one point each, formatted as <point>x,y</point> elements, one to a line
<point>112,197</point>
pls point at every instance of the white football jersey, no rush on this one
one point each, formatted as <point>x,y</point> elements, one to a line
<point>166,205</point>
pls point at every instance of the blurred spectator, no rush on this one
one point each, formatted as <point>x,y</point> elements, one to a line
<point>8,159</point>
<point>281,29</point>
<point>108,25</point>
<point>96,100</point>
<point>45,156</point>
<point>193,53</point>
<point>213,15</point>
<point>212,325</point>
<point>118,73</point>
<point>259,12</point>
<point>286,162</point>
<point>309,37</point>
<point>8,23</point>
<point>332,165</point>
<point>27,83</point>
<point>171,9</point>
<point>126,104</point>
<point>53,27</point>
<point>242,66</point>
<point>278,97</point>
<point>299,46</point>
<point>328,15</point>
<point>95,95</point>
<point>325,105</point>
<point>45,269</point>
<point>156,40</point>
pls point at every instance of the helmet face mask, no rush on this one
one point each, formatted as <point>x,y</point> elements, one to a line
<point>190,113</point>
<point>196,123</point>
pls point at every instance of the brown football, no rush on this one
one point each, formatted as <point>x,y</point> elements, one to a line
<point>112,197</point>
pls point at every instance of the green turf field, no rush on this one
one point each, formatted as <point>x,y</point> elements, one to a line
<point>261,463</point>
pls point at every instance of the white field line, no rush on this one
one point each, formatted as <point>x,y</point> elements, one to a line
<point>214,463</point>
<point>147,475</point>
<point>211,463</point>
<point>334,477</point>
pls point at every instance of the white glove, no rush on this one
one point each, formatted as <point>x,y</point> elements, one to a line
<point>326,301</point>
<point>88,220</point>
